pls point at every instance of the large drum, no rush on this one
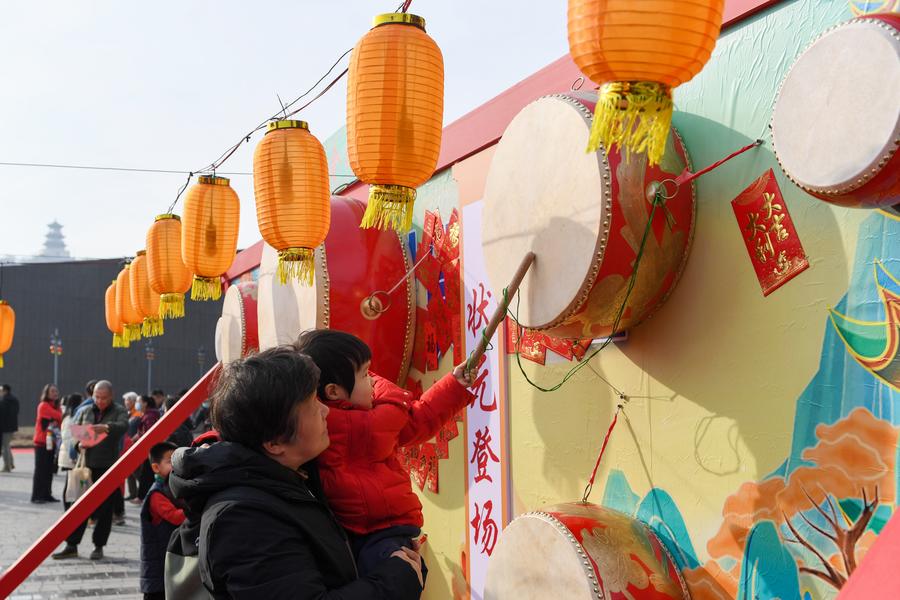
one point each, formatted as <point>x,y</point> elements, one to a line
<point>583,215</point>
<point>836,122</point>
<point>351,265</point>
<point>236,330</point>
<point>581,551</point>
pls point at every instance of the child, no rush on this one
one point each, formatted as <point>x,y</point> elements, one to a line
<point>160,516</point>
<point>370,418</point>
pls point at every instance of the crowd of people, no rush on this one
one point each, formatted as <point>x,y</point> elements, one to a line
<point>284,484</point>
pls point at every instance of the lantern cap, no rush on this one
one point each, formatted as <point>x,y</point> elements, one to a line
<point>167,216</point>
<point>400,18</point>
<point>287,124</point>
<point>140,253</point>
<point>3,302</point>
<point>214,180</point>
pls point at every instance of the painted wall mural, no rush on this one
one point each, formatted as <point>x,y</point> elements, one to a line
<point>800,532</point>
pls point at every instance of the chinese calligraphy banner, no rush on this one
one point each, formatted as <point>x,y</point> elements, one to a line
<point>486,434</point>
<point>769,234</point>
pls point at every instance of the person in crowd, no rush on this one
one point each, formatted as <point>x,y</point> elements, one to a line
<point>152,413</point>
<point>161,514</point>
<point>265,529</point>
<point>106,417</point>
<point>182,435</point>
<point>46,437</point>
<point>67,452</point>
<point>159,396</point>
<point>130,399</point>
<point>369,419</point>
<point>9,425</point>
<point>88,396</point>
<point>142,404</point>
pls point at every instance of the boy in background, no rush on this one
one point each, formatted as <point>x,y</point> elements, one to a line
<point>161,514</point>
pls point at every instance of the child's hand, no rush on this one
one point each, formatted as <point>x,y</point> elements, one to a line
<point>465,378</point>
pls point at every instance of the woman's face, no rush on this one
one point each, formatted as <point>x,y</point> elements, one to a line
<point>53,393</point>
<point>311,437</point>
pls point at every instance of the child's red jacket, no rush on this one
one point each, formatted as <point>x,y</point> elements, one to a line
<point>365,484</point>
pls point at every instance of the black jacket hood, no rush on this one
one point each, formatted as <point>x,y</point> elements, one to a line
<point>198,473</point>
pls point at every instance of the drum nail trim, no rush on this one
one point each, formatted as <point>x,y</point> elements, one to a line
<point>885,156</point>
<point>411,314</point>
<point>322,277</point>
<point>586,563</point>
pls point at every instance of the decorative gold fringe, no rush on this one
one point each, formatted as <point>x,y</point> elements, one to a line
<point>206,288</point>
<point>390,207</point>
<point>1,361</point>
<point>636,115</point>
<point>296,263</point>
<point>131,332</point>
<point>171,306</point>
<point>119,341</point>
<point>152,327</point>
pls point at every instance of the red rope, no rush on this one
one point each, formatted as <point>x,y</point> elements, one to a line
<point>590,485</point>
<point>686,176</point>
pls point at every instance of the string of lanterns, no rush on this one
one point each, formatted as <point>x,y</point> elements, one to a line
<point>637,52</point>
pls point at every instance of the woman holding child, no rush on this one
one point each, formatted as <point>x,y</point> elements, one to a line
<point>266,530</point>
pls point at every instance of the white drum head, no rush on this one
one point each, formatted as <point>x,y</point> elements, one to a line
<point>284,310</point>
<point>535,559</point>
<point>544,194</point>
<point>230,332</point>
<point>838,111</point>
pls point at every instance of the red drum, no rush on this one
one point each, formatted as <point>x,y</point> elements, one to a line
<point>236,330</point>
<point>836,122</point>
<point>583,215</point>
<point>351,265</point>
<point>581,551</point>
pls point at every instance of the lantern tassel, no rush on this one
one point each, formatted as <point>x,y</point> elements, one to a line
<point>152,327</point>
<point>131,332</point>
<point>1,361</point>
<point>390,207</point>
<point>206,288</point>
<point>171,306</point>
<point>297,264</point>
<point>635,115</point>
<point>119,341</point>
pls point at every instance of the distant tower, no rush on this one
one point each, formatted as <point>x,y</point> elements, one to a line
<point>55,244</point>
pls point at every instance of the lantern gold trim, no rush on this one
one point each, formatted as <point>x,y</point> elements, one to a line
<point>400,19</point>
<point>287,124</point>
<point>206,288</point>
<point>214,180</point>
<point>171,306</point>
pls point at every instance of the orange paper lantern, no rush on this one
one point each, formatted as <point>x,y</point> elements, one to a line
<point>7,328</point>
<point>209,236</point>
<point>113,323</point>
<point>143,298</point>
<point>166,272</point>
<point>395,111</point>
<point>638,50</point>
<point>128,314</point>
<point>293,199</point>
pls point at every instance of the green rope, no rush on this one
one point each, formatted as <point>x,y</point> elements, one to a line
<point>657,201</point>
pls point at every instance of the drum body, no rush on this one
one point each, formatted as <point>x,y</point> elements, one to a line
<point>236,330</point>
<point>584,216</point>
<point>581,552</point>
<point>836,121</point>
<point>351,265</point>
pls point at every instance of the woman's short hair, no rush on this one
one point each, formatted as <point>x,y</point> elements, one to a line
<point>338,354</point>
<point>256,398</point>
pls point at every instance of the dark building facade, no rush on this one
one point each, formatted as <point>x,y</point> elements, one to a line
<point>69,297</point>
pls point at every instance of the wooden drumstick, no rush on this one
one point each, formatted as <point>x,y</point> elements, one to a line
<point>500,312</point>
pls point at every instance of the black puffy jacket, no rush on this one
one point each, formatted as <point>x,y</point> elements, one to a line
<point>265,532</point>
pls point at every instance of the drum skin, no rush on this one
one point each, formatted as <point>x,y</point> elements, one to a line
<point>836,121</point>
<point>351,265</point>
<point>581,551</point>
<point>583,215</point>
<point>236,330</point>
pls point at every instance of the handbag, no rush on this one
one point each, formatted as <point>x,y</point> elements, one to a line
<point>79,479</point>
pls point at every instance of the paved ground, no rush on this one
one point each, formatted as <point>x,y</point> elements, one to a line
<point>21,523</point>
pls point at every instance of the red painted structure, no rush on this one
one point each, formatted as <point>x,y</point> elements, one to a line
<point>466,136</point>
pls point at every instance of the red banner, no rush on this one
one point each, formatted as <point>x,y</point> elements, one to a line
<point>769,234</point>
